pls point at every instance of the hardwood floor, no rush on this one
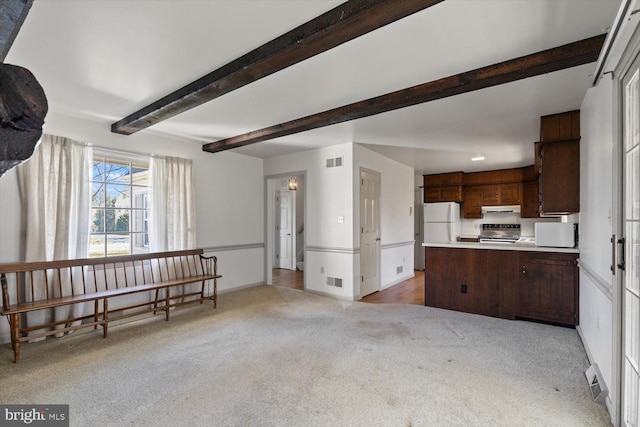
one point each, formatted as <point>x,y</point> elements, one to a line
<point>410,291</point>
<point>288,278</point>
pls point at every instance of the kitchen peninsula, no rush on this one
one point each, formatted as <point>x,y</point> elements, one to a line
<point>503,280</point>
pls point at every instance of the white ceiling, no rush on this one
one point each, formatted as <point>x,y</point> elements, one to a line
<point>104,59</point>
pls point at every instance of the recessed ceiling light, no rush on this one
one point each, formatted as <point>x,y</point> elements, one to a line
<point>477,159</point>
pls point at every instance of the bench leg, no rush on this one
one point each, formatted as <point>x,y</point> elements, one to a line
<point>95,313</point>
<point>14,321</point>
<point>215,293</point>
<point>105,318</point>
<point>155,303</point>
<point>168,301</point>
<point>202,292</point>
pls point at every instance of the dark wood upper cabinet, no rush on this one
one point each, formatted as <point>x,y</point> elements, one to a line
<point>556,127</point>
<point>510,194</point>
<point>560,177</point>
<point>530,196</point>
<point>444,187</point>
<point>472,201</point>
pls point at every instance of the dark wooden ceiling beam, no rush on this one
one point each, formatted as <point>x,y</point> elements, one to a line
<point>12,16</point>
<point>339,25</point>
<point>559,58</point>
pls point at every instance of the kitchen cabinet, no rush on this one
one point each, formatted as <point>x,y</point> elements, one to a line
<point>560,126</point>
<point>476,196</point>
<point>476,286</point>
<point>548,288</point>
<point>529,206</point>
<point>443,187</point>
<point>559,181</point>
<point>443,194</point>
<point>472,202</point>
<point>472,289</point>
<point>508,284</point>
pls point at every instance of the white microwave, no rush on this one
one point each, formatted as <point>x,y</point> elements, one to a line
<point>556,234</point>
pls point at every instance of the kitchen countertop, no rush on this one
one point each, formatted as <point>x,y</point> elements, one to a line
<point>518,246</point>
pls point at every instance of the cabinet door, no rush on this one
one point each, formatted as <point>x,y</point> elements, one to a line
<point>439,274</point>
<point>530,200</point>
<point>451,194</point>
<point>476,283</point>
<point>491,195</point>
<point>548,288</point>
<point>510,194</point>
<point>560,177</point>
<point>472,203</point>
<point>432,195</point>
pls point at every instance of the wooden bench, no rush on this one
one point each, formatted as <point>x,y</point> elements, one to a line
<point>29,287</point>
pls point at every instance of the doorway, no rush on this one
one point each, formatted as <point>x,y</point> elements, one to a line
<point>369,231</point>
<point>285,235</point>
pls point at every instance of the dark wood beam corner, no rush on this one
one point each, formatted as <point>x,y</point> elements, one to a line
<point>333,28</point>
<point>12,16</point>
<point>547,61</point>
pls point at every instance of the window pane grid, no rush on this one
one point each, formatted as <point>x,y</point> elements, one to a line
<point>119,214</point>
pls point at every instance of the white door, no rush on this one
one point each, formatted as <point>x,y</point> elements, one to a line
<point>629,260</point>
<point>285,203</point>
<point>369,232</point>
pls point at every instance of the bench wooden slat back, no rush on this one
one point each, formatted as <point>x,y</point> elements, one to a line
<point>44,280</point>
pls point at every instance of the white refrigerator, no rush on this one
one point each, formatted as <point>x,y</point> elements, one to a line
<point>441,222</point>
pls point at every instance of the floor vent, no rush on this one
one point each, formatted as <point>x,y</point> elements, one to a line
<point>334,281</point>
<point>598,388</point>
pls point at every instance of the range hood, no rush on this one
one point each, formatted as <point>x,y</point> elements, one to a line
<point>510,209</point>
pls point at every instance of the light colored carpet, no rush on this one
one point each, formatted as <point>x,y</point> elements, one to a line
<point>280,357</point>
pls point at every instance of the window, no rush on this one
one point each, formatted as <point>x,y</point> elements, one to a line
<point>119,207</point>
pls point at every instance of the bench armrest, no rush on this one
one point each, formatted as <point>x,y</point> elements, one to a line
<point>210,264</point>
<point>5,292</point>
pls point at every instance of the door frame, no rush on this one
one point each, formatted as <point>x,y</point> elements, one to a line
<point>632,51</point>
<point>269,218</point>
<point>379,246</point>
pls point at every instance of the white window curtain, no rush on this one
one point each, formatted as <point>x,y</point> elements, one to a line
<point>56,197</point>
<point>172,219</point>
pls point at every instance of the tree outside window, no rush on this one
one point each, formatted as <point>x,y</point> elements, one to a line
<point>119,194</point>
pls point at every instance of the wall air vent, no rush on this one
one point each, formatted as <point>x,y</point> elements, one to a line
<point>399,270</point>
<point>334,162</point>
<point>334,281</point>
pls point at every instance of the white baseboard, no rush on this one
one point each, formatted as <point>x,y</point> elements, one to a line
<point>237,288</point>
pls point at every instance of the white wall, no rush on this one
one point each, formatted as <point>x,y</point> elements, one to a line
<point>332,248</point>
<point>228,188</point>
<point>396,215</point>
<point>596,188</point>
<point>329,245</point>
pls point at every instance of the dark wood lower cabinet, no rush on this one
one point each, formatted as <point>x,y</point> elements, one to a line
<point>548,288</point>
<point>507,284</point>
